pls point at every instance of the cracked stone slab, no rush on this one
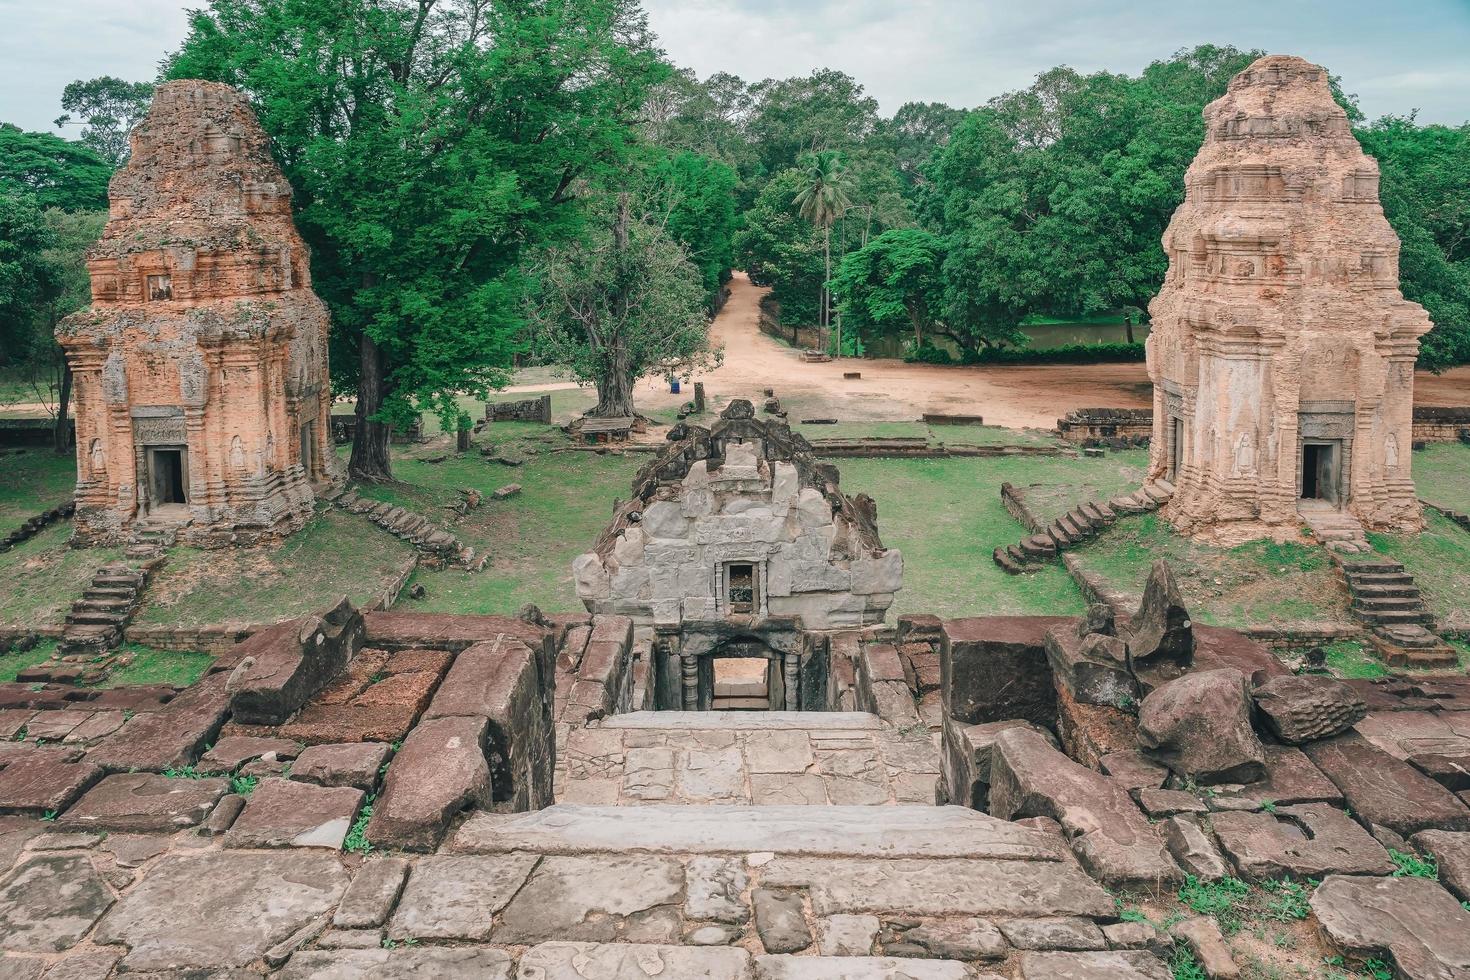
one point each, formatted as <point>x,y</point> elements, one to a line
<point>220,909</point>
<point>1412,921</point>
<point>285,813</point>
<point>1299,842</point>
<point>713,886</point>
<point>855,831</point>
<point>143,802</point>
<point>1112,965</point>
<point>627,961</point>
<point>946,886</point>
<point>592,899</point>
<point>778,752</point>
<point>370,897</point>
<point>399,964</point>
<point>450,897</point>
<point>857,968</point>
<point>49,902</point>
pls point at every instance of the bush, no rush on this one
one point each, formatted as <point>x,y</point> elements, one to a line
<point>1066,354</point>
<point>927,354</point>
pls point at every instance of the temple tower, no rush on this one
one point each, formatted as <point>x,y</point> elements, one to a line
<point>1282,352</point>
<point>201,367</point>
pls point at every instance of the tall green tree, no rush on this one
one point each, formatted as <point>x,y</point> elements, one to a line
<point>697,197</point>
<point>823,198</point>
<point>52,172</point>
<point>430,143</point>
<point>779,248</point>
<point>893,284</point>
<point>823,111</point>
<point>619,304</point>
<point>107,109</point>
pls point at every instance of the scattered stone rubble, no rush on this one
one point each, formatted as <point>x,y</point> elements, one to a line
<point>436,545</point>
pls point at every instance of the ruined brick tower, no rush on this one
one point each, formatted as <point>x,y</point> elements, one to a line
<point>1282,352</point>
<point>201,366</point>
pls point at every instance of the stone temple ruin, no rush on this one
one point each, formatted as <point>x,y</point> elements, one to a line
<point>739,544</point>
<point>1282,352</point>
<point>201,367</point>
<point>395,794</point>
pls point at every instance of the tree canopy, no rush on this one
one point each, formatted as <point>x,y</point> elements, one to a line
<point>107,109</point>
<point>52,172</point>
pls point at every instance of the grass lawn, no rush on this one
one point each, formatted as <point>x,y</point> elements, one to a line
<point>150,666</point>
<point>565,501</point>
<point>12,664</point>
<point>32,481</point>
<point>1259,583</point>
<point>946,517</point>
<point>1115,473</point>
<point>40,578</point>
<point>335,553</point>
<point>1442,475</point>
<point>1439,560</point>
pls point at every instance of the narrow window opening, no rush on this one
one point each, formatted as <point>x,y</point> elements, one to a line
<point>160,288</point>
<point>740,587</point>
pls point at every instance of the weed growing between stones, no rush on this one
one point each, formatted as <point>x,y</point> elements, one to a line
<point>183,772</point>
<point>1288,901</point>
<point>356,840</point>
<point>1184,966</point>
<point>1413,866</point>
<point>243,785</point>
<point>1224,900</point>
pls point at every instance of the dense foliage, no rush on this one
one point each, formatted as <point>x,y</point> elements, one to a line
<point>107,109</point>
<point>52,172</point>
<point>430,142</point>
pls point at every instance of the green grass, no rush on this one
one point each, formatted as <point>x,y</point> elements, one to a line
<point>946,517</point>
<point>1413,866</point>
<point>150,666</point>
<point>565,501</point>
<point>11,664</point>
<point>1098,480</point>
<point>1442,474</point>
<point>335,554</point>
<point>1225,899</point>
<point>40,578</point>
<point>1259,583</point>
<point>1350,659</point>
<point>1439,560</point>
<point>33,481</point>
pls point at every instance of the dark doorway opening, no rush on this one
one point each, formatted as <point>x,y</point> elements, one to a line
<point>168,479</point>
<point>308,448</point>
<point>1319,471</point>
<point>740,587</point>
<point>1176,447</point>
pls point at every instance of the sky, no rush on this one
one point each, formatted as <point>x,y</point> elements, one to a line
<point>1396,55</point>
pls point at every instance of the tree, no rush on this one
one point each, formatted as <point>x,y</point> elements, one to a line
<point>430,143</point>
<point>27,280</point>
<point>621,303</point>
<point>918,131</point>
<point>698,196</point>
<point>822,200</point>
<point>893,283</point>
<point>824,111</point>
<point>52,172</point>
<point>107,108</point>
<point>779,248</point>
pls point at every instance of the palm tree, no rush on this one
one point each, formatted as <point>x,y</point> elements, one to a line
<point>821,202</point>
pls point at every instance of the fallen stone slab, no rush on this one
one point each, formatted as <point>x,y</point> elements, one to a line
<point>373,892</point>
<point>1203,937</point>
<point>1194,849</point>
<point>281,667</point>
<point>507,491</point>
<point>1303,708</point>
<point>500,680</point>
<point>1134,770</point>
<point>440,771</point>
<point>597,899</point>
<point>1160,636</point>
<point>630,961</point>
<point>355,764</point>
<point>966,759</point>
<point>39,783</point>
<point>994,668</point>
<point>1111,965</point>
<point>1110,835</point>
<point>1412,923</point>
<point>144,803</point>
<point>1291,778</point>
<point>943,886</point>
<point>286,813</point>
<point>1199,725</point>
<point>399,964</point>
<point>233,751</point>
<point>1299,842</point>
<point>797,830</point>
<point>857,968</point>
<point>1092,668</point>
<point>399,630</point>
<point>220,909</point>
<point>453,897</point>
<point>1053,933</point>
<point>49,903</point>
<point>1451,851</point>
<point>1384,791</point>
<point>171,737</point>
<point>780,921</point>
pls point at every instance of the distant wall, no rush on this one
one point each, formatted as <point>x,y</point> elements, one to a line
<point>345,426</point>
<point>33,432</point>
<point>804,338</point>
<point>526,410</point>
<point>1134,426</point>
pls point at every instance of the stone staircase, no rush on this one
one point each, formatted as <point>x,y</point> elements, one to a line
<point>1339,530</point>
<point>1078,526</point>
<point>1386,600</point>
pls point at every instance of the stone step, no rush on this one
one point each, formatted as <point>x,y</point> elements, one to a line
<point>1156,492</point>
<point>1386,591</point>
<point>102,604</point>
<point>134,580</point>
<point>694,721</point>
<point>1371,567</point>
<point>110,592</point>
<point>1060,536</point>
<point>1002,557</point>
<point>1077,532</point>
<point>808,831</point>
<point>1037,546</point>
<point>89,618</point>
<point>1395,617</point>
<point>1098,513</point>
<point>1387,603</point>
<point>731,703</point>
<point>1402,579</point>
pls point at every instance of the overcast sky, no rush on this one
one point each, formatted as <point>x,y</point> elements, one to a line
<point>1397,55</point>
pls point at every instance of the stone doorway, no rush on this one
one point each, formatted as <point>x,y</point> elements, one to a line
<point>1176,447</point>
<point>1321,471</point>
<point>168,475</point>
<point>742,684</point>
<point>308,448</point>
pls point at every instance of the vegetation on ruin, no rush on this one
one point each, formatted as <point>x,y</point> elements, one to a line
<point>149,666</point>
<point>1436,559</point>
<point>32,481</point>
<point>12,663</point>
<point>1442,475</point>
<point>40,577</point>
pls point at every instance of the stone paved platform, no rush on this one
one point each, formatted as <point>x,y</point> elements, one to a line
<point>767,758</point>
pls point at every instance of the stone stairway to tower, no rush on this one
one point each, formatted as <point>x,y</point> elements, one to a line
<point>1386,600</point>
<point>1076,527</point>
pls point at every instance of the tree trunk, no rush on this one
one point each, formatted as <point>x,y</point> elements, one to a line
<point>61,437</point>
<point>615,381</point>
<point>827,263</point>
<point>615,387</point>
<point>1128,325</point>
<point>371,459</point>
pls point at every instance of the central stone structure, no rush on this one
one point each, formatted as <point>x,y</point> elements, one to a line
<point>201,367</point>
<point>739,544</point>
<point>1282,352</point>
